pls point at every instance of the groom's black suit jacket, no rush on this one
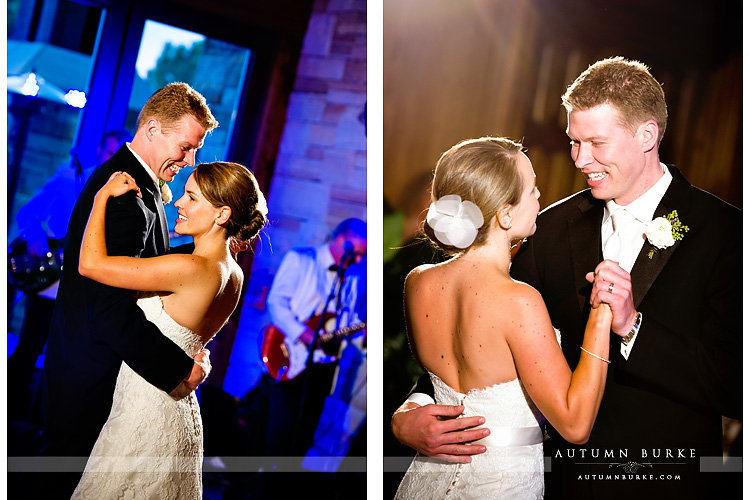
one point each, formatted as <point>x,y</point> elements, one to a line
<point>685,369</point>
<point>96,327</point>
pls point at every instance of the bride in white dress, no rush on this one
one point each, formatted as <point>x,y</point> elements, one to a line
<point>152,443</point>
<point>486,340</point>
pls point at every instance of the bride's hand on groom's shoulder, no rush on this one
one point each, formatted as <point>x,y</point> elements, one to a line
<point>435,431</point>
<point>118,184</point>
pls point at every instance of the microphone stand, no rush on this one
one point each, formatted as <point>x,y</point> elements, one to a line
<point>341,268</point>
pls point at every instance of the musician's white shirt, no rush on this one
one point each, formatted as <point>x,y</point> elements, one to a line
<point>300,288</point>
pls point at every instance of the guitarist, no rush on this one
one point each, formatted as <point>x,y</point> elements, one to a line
<point>42,224</point>
<point>340,430</point>
<point>301,288</point>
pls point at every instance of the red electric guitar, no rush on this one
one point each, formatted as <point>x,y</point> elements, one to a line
<point>284,360</point>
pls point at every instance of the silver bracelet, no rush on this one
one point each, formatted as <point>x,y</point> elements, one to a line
<point>598,357</point>
<point>636,326</point>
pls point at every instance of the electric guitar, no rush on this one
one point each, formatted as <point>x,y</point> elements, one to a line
<point>284,360</point>
<point>32,274</point>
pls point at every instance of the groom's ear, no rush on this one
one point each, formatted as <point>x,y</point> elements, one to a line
<point>151,128</point>
<point>648,134</point>
<point>223,215</point>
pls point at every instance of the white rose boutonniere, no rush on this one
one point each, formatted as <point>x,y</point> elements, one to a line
<point>663,232</point>
<point>659,233</point>
<point>166,193</point>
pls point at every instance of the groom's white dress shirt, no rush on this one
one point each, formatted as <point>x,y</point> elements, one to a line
<point>632,234</point>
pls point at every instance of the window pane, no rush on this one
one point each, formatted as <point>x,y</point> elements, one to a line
<point>213,67</point>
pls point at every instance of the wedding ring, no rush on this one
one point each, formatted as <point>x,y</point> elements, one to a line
<point>611,287</point>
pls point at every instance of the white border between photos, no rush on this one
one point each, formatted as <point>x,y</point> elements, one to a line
<point>375,249</point>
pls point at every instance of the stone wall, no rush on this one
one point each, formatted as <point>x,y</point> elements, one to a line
<point>320,173</point>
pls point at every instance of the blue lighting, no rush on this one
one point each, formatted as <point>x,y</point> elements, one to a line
<point>30,86</point>
<point>76,98</point>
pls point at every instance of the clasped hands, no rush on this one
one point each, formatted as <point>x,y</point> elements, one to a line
<point>612,285</point>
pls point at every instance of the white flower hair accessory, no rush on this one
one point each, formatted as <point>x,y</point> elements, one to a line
<point>166,193</point>
<point>663,232</point>
<point>454,222</point>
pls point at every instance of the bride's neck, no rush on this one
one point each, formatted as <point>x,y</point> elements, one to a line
<point>490,254</point>
<point>211,245</point>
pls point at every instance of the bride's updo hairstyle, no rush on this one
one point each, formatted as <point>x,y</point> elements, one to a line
<point>233,185</point>
<point>483,171</point>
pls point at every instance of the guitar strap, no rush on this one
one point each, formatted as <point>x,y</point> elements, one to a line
<point>329,289</point>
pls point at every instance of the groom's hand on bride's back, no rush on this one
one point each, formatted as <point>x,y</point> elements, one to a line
<point>434,431</point>
<point>200,371</point>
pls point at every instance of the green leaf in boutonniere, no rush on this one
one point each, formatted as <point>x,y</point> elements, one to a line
<point>663,232</point>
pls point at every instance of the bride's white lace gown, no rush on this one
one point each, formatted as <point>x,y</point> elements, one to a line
<point>511,468</point>
<point>152,445</point>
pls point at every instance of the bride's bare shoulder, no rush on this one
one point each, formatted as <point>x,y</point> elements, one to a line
<point>524,290</point>
<point>516,299</point>
<point>426,273</point>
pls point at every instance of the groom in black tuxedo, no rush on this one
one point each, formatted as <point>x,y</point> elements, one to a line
<point>677,353</point>
<point>96,327</point>
<point>676,349</point>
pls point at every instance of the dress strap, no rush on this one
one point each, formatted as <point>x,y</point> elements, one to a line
<point>520,436</point>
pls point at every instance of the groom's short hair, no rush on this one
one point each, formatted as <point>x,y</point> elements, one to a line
<point>173,101</point>
<point>626,85</point>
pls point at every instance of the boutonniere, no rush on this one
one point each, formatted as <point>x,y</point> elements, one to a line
<point>662,232</point>
<point>166,193</point>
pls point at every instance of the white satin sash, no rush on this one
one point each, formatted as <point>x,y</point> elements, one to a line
<point>519,436</point>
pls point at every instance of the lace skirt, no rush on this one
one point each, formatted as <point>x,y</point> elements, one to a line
<point>151,446</point>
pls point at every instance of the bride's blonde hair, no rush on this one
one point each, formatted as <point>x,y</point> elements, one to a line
<point>483,171</point>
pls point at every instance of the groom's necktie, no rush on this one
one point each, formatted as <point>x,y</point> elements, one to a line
<point>162,218</point>
<point>613,247</point>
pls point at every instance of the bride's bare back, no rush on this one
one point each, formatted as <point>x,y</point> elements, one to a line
<point>474,327</point>
<point>452,314</point>
<point>206,299</point>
